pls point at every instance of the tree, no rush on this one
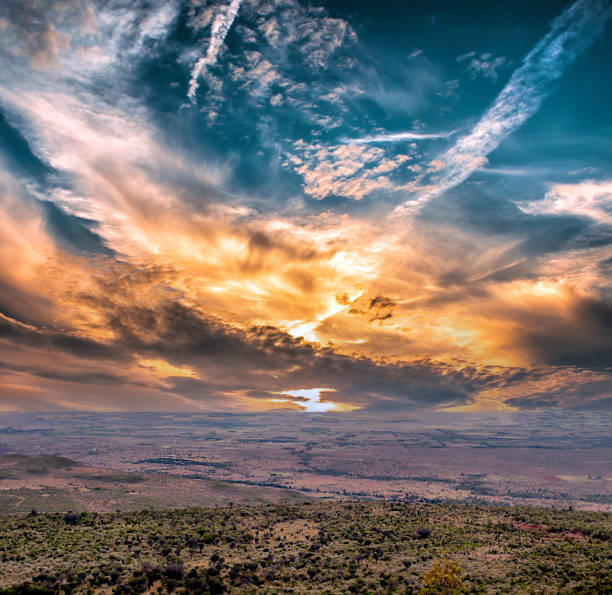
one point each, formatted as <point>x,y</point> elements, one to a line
<point>444,576</point>
<point>71,518</point>
<point>174,571</point>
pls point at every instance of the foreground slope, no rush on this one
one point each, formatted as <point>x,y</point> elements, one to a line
<point>315,548</point>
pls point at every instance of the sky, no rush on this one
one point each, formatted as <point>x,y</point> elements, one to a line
<point>251,205</point>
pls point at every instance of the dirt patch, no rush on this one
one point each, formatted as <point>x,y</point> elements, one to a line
<point>295,531</point>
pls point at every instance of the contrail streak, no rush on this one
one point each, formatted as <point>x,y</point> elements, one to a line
<point>570,34</point>
<point>220,28</point>
<point>396,137</point>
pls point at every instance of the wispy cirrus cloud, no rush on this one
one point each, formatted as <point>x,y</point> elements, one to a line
<point>79,40</point>
<point>220,28</point>
<point>570,34</point>
<point>397,137</point>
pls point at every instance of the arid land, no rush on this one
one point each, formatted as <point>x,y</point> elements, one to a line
<point>550,459</point>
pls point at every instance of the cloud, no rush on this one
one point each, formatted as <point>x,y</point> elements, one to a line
<point>198,361</point>
<point>571,388</point>
<point>397,137</point>
<point>29,29</point>
<point>229,359</point>
<point>378,308</point>
<point>284,43</point>
<point>83,37</point>
<point>406,88</point>
<point>25,249</point>
<point>570,34</point>
<point>465,56</point>
<point>513,171</point>
<point>220,28</point>
<point>19,333</point>
<point>118,169</point>
<point>578,335</point>
<point>533,402</point>
<point>351,170</point>
<point>591,199</point>
<point>86,378</point>
<point>286,24</point>
<point>485,65</point>
<point>113,317</point>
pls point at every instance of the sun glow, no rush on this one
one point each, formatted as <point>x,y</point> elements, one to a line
<point>163,369</point>
<point>309,400</point>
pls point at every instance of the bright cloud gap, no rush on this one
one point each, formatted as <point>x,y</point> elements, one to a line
<point>309,401</point>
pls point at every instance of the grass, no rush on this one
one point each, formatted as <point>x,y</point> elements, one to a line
<point>308,548</point>
<point>45,500</point>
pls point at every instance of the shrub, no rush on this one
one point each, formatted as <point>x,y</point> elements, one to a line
<point>444,576</point>
<point>174,571</point>
<point>215,586</point>
<point>71,518</point>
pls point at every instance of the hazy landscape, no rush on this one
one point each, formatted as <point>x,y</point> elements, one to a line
<point>544,459</point>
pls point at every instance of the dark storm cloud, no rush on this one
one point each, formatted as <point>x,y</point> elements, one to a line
<point>67,376</point>
<point>484,210</point>
<point>265,358</point>
<point>533,402</point>
<point>22,305</point>
<point>604,404</point>
<point>593,394</point>
<point>262,358</point>
<point>29,336</point>
<point>582,338</point>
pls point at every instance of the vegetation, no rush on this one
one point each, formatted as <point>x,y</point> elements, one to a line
<point>345,547</point>
<point>444,576</point>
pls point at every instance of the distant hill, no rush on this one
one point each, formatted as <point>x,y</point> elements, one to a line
<point>37,464</point>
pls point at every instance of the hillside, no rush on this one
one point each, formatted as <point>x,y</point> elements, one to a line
<point>309,548</point>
